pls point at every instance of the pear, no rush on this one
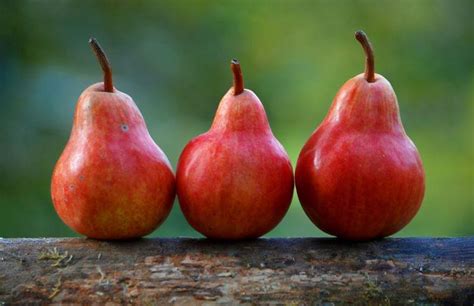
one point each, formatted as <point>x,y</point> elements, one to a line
<point>359,176</point>
<point>112,181</point>
<point>235,181</point>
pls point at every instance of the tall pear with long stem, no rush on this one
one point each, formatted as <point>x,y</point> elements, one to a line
<point>235,181</point>
<point>112,181</point>
<point>359,176</point>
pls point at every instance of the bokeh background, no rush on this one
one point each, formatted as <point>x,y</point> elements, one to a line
<point>173,58</point>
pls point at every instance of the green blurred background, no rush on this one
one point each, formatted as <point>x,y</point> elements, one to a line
<point>173,57</point>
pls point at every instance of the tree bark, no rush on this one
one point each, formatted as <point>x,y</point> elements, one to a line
<point>197,271</point>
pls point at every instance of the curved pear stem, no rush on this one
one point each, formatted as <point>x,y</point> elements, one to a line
<point>238,79</point>
<point>104,63</point>
<point>369,53</point>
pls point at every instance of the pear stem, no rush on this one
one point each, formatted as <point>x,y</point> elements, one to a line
<point>238,79</point>
<point>104,63</point>
<point>369,53</point>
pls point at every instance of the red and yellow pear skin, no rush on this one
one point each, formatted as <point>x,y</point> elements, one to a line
<point>235,181</point>
<point>359,176</point>
<point>112,181</point>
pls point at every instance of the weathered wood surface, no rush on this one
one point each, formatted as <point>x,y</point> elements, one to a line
<point>196,271</point>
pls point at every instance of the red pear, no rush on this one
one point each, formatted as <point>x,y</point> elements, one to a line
<point>359,176</point>
<point>112,181</point>
<point>235,181</point>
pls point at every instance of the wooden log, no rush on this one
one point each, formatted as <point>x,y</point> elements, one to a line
<point>197,271</point>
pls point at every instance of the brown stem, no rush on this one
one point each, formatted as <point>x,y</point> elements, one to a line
<point>238,79</point>
<point>369,53</point>
<point>104,63</point>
